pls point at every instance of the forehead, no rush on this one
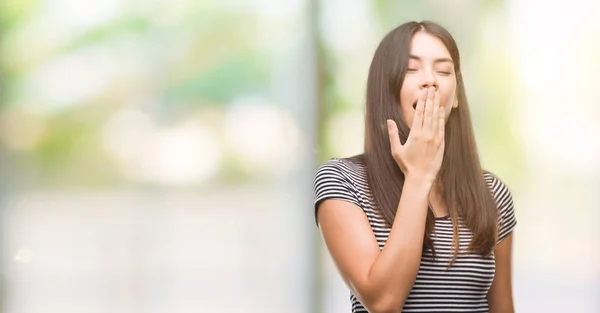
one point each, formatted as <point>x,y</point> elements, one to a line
<point>426,46</point>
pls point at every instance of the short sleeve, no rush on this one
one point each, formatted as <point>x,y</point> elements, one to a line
<point>506,210</point>
<point>332,182</point>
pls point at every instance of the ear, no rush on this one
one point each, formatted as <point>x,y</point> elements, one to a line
<point>455,102</point>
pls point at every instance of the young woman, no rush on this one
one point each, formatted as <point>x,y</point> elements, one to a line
<point>414,224</point>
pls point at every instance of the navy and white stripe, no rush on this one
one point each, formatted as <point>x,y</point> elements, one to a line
<point>463,287</point>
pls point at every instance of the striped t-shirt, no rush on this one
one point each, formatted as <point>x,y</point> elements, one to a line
<point>462,288</point>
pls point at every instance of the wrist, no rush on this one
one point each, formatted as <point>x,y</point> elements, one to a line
<point>418,182</point>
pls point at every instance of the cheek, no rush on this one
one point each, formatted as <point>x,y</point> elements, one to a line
<point>448,107</point>
<point>448,111</point>
<point>448,101</point>
<point>406,99</point>
<point>448,97</point>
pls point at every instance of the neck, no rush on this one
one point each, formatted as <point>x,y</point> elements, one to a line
<point>436,201</point>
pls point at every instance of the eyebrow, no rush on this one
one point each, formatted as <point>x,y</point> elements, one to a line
<point>414,57</point>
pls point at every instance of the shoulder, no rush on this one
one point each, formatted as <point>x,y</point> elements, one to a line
<point>332,170</point>
<point>339,179</point>
<point>337,168</point>
<point>504,201</point>
<point>332,164</point>
<point>500,191</point>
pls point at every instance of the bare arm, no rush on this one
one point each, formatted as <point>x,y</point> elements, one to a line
<point>500,294</point>
<point>381,280</point>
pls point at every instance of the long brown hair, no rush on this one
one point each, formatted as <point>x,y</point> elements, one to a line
<point>460,178</point>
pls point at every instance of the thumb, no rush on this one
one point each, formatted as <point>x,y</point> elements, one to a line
<point>393,135</point>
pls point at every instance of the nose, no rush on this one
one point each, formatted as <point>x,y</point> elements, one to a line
<point>428,79</point>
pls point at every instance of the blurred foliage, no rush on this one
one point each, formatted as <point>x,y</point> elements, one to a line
<point>220,84</point>
<point>130,25</point>
<point>207,57</point>
<point>13,12</point>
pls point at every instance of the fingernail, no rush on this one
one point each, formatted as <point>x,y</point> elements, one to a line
<point>389,124</point>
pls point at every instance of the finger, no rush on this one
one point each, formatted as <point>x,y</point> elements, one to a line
<point>428,118</point>
<point>417,122</point>
<point>441,124</point>
<point>393,134</point>
<point>436,112</point>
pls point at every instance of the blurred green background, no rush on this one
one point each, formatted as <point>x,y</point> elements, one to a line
<point>157,156</point>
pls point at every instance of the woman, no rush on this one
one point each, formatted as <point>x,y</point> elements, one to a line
<point>414,224</point>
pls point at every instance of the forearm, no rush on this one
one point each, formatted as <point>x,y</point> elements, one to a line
<point>394,271</point>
